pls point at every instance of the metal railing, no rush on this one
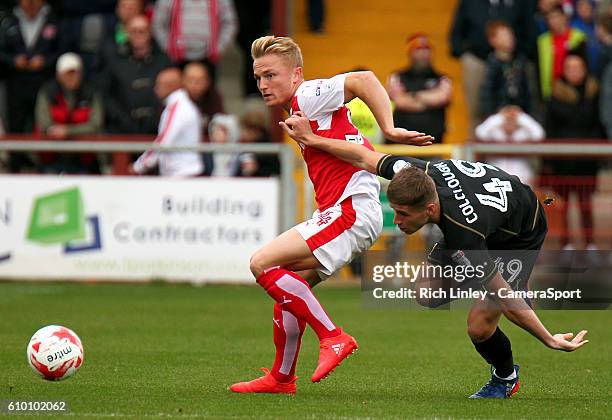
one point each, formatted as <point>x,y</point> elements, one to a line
<point>284,152</point>
<point>550,148</point>
<point>470,151</point>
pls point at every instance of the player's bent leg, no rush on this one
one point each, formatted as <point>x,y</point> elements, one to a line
<point>494,346</point>
<point>331,242</point>
<point>273,266</point>
<point>294,296</point>
<point>289,250</point>
<point>482,320</point>
<point>288,332</point>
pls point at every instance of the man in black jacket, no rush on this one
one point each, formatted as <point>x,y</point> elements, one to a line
<point>128,79</point>
<point>420,94</point>
<point>30,47</point>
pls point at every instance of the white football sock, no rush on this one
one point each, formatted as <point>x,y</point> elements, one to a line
<point>509,378</point>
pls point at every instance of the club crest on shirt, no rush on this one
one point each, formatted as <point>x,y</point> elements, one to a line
<point>324,218</point>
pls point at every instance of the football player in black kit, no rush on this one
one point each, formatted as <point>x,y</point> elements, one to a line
<point>481,211</point>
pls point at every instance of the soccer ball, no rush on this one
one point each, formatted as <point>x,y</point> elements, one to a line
<point>55,353</point>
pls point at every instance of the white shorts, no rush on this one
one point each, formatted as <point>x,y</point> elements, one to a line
<point>338,234</point>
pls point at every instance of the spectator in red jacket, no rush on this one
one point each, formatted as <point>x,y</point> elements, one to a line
<point>195,30</point>
<point>66,107</point>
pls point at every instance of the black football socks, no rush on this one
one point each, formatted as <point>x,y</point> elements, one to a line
<point>497,351</point>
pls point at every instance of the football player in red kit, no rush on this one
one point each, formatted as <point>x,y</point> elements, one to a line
<point>348,219</point>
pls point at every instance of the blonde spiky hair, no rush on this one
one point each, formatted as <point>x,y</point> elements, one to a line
<point>280,45</point>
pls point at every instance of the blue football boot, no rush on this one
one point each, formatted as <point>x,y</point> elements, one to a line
<point>499,388</point>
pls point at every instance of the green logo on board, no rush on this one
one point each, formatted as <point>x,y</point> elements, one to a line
<point>57,217</point>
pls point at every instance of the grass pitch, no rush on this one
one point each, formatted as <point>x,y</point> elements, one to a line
<point>172,351</point>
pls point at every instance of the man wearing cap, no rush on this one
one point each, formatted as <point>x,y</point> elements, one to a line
<point>420,94</point>
<point>67,107</point>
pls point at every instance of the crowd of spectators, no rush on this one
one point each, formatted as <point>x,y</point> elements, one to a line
<point>531,70</point>
<point>70,68</point>
<point>535,69</point>
<point>513,52</point>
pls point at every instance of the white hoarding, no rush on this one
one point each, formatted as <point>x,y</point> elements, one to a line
<point>126,228</point>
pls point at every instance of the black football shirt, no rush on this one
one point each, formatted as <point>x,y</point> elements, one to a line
<point>481,207</point>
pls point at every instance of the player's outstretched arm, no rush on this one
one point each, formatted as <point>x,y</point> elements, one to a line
<point>365,85</point>
<point>298,128</point>
<point>517,311</point>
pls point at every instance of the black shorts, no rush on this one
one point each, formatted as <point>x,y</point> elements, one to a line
<point>515,262</point>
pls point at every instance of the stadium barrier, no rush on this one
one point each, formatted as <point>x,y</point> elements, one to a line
<point>278,197</point>
<point>140,228</point>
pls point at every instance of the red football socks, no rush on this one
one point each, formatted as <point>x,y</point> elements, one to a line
<point>288,332</point>
<point>293,295</point>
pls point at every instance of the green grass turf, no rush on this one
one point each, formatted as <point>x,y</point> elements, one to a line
<point>172,350</point>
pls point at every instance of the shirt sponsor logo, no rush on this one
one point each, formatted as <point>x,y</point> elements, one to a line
<point>354,138</point>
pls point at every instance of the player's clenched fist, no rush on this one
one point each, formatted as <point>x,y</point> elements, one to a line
<point>297,127</point>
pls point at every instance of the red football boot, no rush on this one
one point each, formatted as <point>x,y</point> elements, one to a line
<point>266,384</point>
<point>332,352</point>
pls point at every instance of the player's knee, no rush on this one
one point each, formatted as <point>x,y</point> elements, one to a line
<point>480,331</point>
<point>256,264</point>
<point>260,261</point>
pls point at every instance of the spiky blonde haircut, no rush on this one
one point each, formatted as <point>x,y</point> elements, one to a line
<point>279,45</point>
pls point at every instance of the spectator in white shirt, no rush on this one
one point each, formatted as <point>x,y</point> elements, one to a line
<point>179,125</point>
<point>512,125</point>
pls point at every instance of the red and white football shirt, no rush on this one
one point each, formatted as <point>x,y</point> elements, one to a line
<point>322,102</point>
